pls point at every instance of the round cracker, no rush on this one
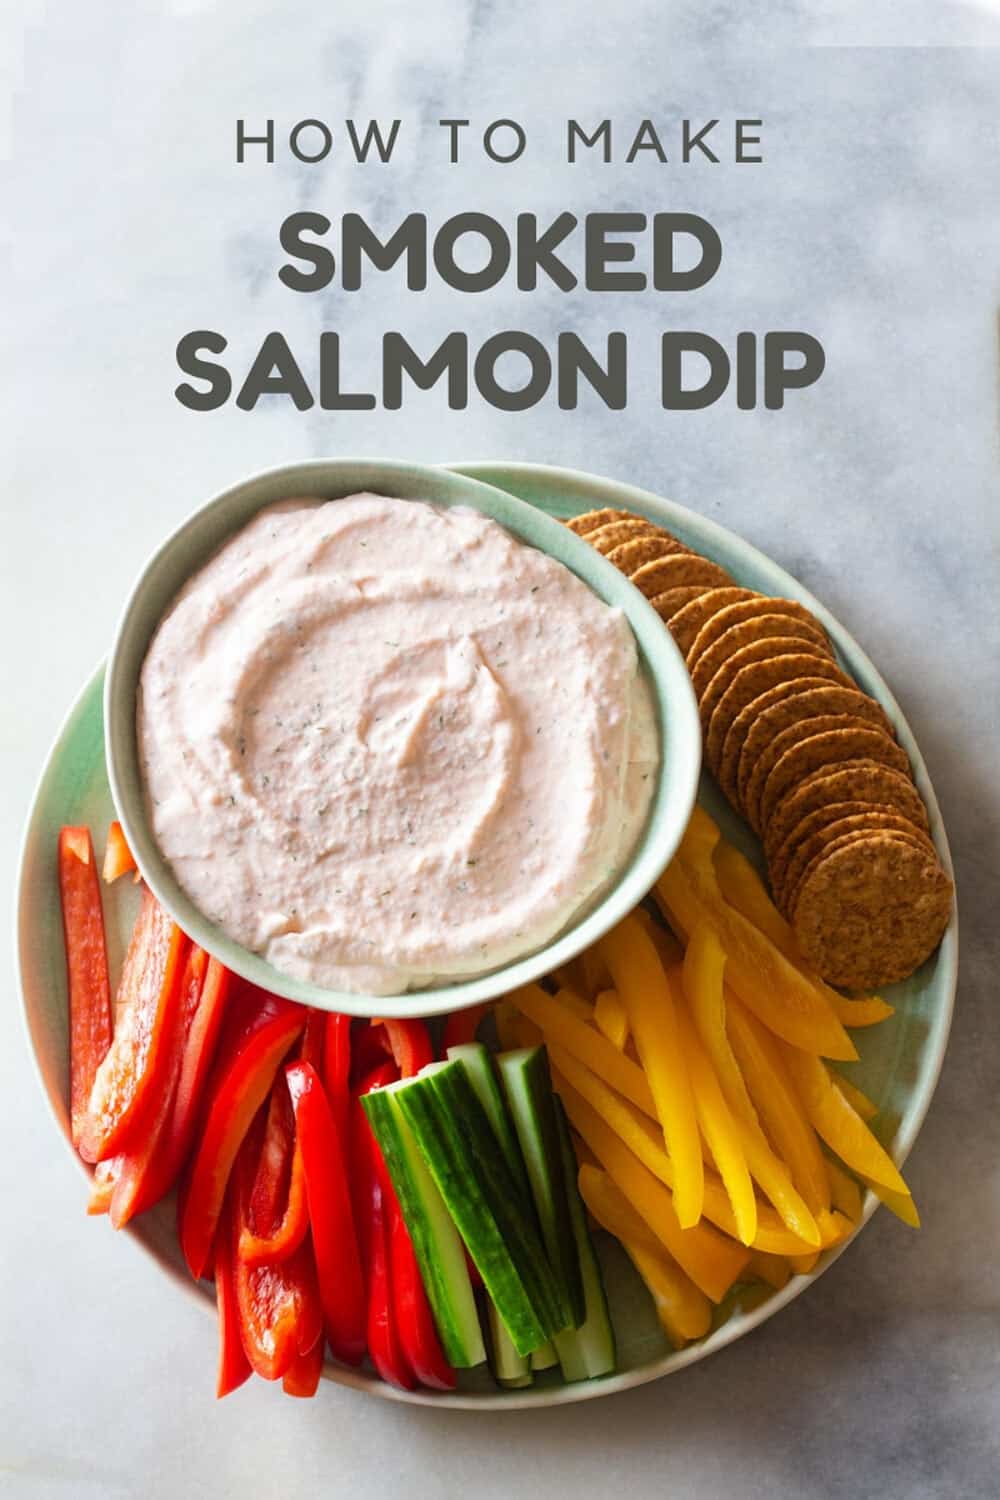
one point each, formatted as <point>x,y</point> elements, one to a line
<point>857,836</point>
<point>766,649</point>
<point>631,555</point>
<point>872,911</point>
<point>669,604</point>
<point>745,610</point>
<point>813,822</point>
<point>824,750</point>
<point>763,627</point>
<point>765,721</point>
<point>804,729</point>
<point>592,519</point>
<point>606,538</point>
<point>853,780</point>
<point>687,625</point>
<point>823,838</point>
<point>740,727</point>
<point>678,572</point>
<point>755,679</point>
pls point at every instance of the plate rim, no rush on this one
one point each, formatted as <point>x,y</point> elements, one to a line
<point>745,1322</point>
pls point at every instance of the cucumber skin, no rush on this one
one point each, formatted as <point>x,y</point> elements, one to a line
<point>460,1347</point>
<point>499,1115</point>
<point>458,1146</point>
<point>587,1352</point>
<point>532,1067</point>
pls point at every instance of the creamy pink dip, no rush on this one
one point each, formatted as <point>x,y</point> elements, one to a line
<point>386,744</point>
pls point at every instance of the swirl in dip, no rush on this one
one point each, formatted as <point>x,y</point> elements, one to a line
<point>385,744</point>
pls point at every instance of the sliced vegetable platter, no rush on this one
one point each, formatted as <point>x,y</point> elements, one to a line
<point>897,1069</point>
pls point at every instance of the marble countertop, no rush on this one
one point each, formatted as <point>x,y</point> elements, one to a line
<point>873,223</point>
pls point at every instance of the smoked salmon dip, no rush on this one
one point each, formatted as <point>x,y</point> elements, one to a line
<point>385,744</point>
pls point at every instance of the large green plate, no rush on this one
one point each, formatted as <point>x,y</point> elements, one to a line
<point>899,1064</point>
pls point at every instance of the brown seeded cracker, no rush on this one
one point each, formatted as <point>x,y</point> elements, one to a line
<point>669,604</point>
<point>743,610</point>
<point>765,627</point>
<point>814,822</point>
<point>592,519</point>
<point>872,911</point>
<point>823,839</point>
<point>824,750</point>
<point>765,720</point>
<point>753,680</point>
<point>740,727</point>
<point>858,836</point>
<point>686,625</point>
<point>770,649</point>
<point>855,780</point>
<point>677,572</point>
<point>643,549</point>
<point>805,729</point>
<point>606,538</point>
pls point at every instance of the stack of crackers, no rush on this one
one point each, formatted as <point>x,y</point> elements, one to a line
<point>803,754</point>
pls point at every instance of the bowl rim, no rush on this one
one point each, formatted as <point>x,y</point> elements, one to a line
<point>677,714</point>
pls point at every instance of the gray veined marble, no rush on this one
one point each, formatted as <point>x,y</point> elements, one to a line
<point>873,222</point>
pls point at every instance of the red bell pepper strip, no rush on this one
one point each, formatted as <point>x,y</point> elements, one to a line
<point>103,1186</point>
<point>139,1173</point>
<point>280,1180</point>
<point>369,1046</point>
<point>331,1216</point>
<point>461,1026</point>
<point>411,1045</point>
<point>312,1048</point>
<point>418,1336</point>
<point>91,1024</point>
<point>303,1374</point>
<point>118,857</point>
<point>280,1313</point>
<point>384,1347</point>
<point>256,1042</point>
<point>234,1367</point>
<point>196,1064</point>
<point>136,1071</point>
<point>337,1053</point>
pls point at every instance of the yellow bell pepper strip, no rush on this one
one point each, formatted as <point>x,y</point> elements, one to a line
<point>900,1204</point>
<point>666,945</point>
<point>803,1264</point>
<point>844,1191</point>
<point>834,1228</point>
<point>712,1261</point>
<point>771,1175</point>
<point>781,1113</point>
<point>774,1269</point>
<point>609,1014</point>
<point>684,1312</point>
<point>648,998</point>
<point>574,1001</point>
<point>703,976</point>
<point>859,1102</point>
<point>593,972</point>
<point>743,888</point>
<point>775,990</point>
<point>645,1140</point>
<point>718,1129</point>
<point>841,1127</point>
<point>585,1043</point>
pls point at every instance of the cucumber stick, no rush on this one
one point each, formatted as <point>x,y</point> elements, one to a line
<point>509,1368</point>
<point>589,1350</point>
<point>528,1086</point>
<point>436,1241</point>
<point>456,1140</point>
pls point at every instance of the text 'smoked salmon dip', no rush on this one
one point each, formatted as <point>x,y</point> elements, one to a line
<point>385,744</point>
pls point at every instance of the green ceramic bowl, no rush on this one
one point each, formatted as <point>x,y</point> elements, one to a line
<point>195,542</point>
